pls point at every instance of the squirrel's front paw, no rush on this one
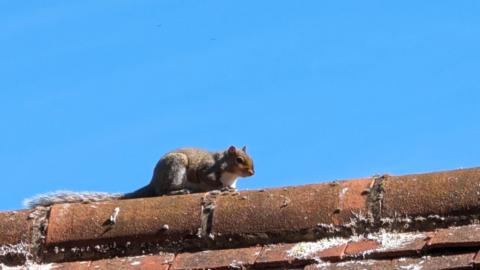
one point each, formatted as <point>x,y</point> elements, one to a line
<point>228,189</point>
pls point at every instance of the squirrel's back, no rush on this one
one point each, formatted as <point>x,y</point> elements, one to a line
<point>195,156</point>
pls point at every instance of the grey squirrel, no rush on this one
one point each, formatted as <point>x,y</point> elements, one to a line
<point>182,171</point>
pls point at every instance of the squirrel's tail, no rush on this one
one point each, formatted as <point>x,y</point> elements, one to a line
<point>69,197</point>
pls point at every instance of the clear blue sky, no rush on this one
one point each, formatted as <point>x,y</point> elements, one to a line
<point>92,93</point>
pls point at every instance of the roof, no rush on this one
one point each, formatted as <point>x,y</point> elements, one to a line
<point>420,221</point>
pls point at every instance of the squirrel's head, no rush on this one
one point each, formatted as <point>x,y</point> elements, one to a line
<point>239,162</point>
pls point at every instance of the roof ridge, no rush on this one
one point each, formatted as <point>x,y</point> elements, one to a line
<point>218,220</point>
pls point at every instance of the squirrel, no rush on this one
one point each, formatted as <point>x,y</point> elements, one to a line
<point>181,171</point>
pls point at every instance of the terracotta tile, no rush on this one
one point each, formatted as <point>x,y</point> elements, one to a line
<point>70,266</point>
<point>150,262</point>
<point>138,219</point>
<point>476,260</point>
<point>15,236</point>
<point>270,215</point>
<point>361,247</point>
<point>217,259</point>
<point>352,264</point>
<point>275,256</point>
<point>413,248</point>
<point>352,197</point>
<point>141,262</point>
<point>60,223</point>
<point>15,227</point>
<point>331,254</point>
<point>278,255</point>
<point>464,236</point>
<point>289,209</point>
<point>456,261</point>
<point>441,193</point>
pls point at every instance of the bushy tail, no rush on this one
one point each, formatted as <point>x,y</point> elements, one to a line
<point>69,197</point>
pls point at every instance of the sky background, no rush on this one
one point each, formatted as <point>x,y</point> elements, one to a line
<point>92,93</point>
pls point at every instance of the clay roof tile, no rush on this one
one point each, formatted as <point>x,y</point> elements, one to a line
<point>426,220</point>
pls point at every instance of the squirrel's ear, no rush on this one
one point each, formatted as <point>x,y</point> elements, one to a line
<point>232,150</point>
<point>244,149</point>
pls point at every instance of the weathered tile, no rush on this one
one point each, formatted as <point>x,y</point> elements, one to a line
<point>282,255</point>
<point>361,247</point>
<point>440,193</point>
<point>463,236</point>
<point>15,227</point>
<point>453,261</point>
<point>289,209</point>
<point>216,259</point>
<point>155,219</point>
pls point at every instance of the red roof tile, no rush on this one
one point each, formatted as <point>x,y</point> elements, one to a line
<point>453,261</point>
<point>275,256</point>
<point>289,209</point>
<point>15,236</point>
<point>283,255</point>
<point>465,236</point>
<point>217,259</point>
<point>357,223</point>
<point>137,220</point>
<point>476,260</point>
<point>208,260</point>
<point>15,227</point>
<point>409,248</point>
<point>361,247</point>
<point>161,262</point>
<point>443,193</point>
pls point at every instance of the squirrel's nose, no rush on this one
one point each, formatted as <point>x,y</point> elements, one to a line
<point>251,172</point>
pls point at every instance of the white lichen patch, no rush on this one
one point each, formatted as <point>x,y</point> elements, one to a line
<point>307,249</point>
<point>329,228</point>
<point>343,192</point>
<point>389,240</point>
<point>113,217</point>
<point>475,227</point>
<point>355,262</point>
<point>17,249</point>
<point>21,249</point>
<point>321,264</point>
<point>236,264</point>
<point>412,267</point>
<point>29,266</point>
<point>438,217</point>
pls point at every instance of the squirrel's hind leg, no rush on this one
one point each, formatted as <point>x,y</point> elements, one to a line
<point>170,174</point>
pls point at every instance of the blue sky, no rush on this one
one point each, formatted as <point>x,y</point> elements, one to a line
<point>92,93</point>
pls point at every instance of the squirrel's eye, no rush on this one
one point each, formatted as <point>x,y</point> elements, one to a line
<point>239,160</point>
